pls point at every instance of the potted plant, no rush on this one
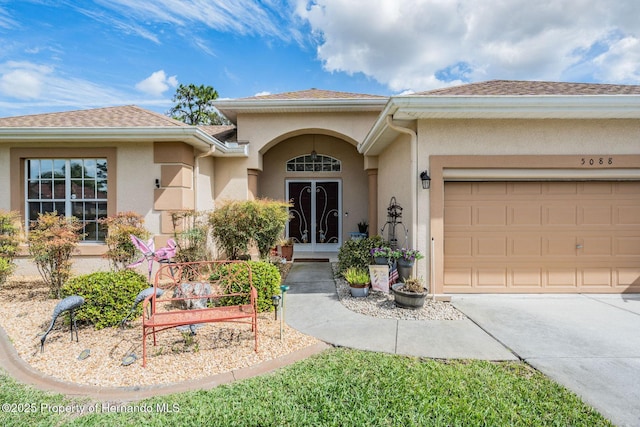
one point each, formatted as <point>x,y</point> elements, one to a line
<point>358,280</point>
<point>410,294</point>
<point>381,255</point>
<point>406,260</point>
<point>285,247</point>
<point>363,227</point>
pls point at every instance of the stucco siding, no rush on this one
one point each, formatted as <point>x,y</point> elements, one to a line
<point>530,137</point>
<point>264,131</point>
<point>230,176</point>
<point>5,175</point>
<point>394,175</point>
<point>136,173</point>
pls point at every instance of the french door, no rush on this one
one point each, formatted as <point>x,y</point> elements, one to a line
<point>316,215</point>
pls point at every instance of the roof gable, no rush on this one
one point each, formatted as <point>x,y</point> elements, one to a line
<point>533,88</point>
<point>314,93</point>
<point>108,117</point>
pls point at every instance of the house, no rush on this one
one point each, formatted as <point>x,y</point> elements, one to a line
<point>533,186</point>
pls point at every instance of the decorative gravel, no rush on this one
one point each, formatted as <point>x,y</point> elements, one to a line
<point>25,313</point>
<point>379,304</point>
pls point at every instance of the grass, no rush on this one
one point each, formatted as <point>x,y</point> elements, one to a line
<point>344,387</point>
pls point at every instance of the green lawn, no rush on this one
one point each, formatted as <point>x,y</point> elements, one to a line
<point>342,387</point>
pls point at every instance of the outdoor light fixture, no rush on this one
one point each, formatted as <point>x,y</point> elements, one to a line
<point>426,180</point>
<point>276,304</point>
<point>157,183</point>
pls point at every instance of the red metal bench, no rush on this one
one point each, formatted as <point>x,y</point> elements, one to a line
<point>231,298</point>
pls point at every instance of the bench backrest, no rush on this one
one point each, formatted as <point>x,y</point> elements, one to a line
<point>224,277</point>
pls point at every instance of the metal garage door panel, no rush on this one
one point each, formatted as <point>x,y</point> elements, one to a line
<point>542,237</point>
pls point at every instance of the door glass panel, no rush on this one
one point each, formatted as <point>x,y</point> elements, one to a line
<point>300,212</point>
<point>327,212</point>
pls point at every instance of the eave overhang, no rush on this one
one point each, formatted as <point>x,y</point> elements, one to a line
<point>190,135</point>
<point>231,108</point>
<point>406,109</point>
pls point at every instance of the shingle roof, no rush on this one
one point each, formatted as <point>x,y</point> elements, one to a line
<point>316,94</point>
<point>224,133</point>
<point>521,88</point>
<point>109,117</point>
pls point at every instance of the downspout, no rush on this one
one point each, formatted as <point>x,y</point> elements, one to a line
<point>414,171</point>
<point>196,174</point>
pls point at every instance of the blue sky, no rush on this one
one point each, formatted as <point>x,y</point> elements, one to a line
<point>60,55</point>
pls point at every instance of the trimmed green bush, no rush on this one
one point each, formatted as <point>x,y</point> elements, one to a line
<point>236,224</point>
<point>266,280</point>
<point>108,296</point>
<point>357,253</point>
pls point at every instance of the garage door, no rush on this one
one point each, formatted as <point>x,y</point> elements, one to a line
<point>516,237</point>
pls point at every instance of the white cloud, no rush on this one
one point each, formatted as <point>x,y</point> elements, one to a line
<point>5,19</point>
<point>263,93</point>
<point>423,44</point>
<point>23,80</point>
<point>26,86</point>
<point>157,83</point>
<point>271,18</point>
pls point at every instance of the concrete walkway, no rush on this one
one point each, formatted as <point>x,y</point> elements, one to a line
<point>312,307</point>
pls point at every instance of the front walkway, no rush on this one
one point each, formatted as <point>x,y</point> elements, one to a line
<point>312,307</point>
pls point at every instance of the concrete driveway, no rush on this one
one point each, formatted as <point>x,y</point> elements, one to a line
<point>588,343</point>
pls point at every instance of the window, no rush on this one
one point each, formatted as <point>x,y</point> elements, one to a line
<point>308,163</point>
<point>70,187</point>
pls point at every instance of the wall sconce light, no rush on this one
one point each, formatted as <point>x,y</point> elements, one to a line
<point>426,180</point>
<point>157,183</point>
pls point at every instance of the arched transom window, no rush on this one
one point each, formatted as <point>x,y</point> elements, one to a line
<point>317,163</point>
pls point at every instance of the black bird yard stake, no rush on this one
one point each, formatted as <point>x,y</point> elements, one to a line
<point>68,304</point>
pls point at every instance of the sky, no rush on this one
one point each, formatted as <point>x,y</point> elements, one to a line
<point>61,55</point>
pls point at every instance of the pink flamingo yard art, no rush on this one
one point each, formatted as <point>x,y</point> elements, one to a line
<point>162,255</point>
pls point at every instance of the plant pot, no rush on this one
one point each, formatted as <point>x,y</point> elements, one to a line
<point>286,252</point>
<point>409,300</point>
<point>405,268</point>
<point>380,260</point>
<point>359,291</point>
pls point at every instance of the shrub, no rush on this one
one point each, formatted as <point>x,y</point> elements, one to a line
<point>190,231</point>
<point>6,268</point>
<point>236,224</point>
<point>52,239</point>
<point>271,219</point>
<point>230,227</point>
<point>266,280</point>
<point>357,253</point>
<point>121,251</point>
<point>9,242</point>
<point>108,296</point>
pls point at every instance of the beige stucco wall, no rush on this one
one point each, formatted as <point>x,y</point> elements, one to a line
<point>272,180</point>
<point>394,175</point>
<point>230,179</point>
<point>264,131</point>
<point>5,189</point>
<point>538,141</point>
<point>136,174</point>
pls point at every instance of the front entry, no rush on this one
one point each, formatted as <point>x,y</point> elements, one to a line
<point>316,218</point>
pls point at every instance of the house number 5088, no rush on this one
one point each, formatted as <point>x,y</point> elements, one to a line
<point>596,161</point>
